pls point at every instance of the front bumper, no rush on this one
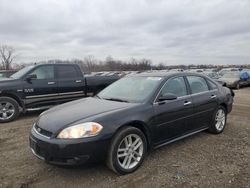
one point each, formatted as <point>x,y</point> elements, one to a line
<point>68,152</point>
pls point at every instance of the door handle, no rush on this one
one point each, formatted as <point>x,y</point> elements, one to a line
<point>51,83</point>
<point>213,97</point>
<point>78,81</point>
<point>187,103</point>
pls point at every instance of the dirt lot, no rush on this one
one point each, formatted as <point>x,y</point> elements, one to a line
<point>203,160</point>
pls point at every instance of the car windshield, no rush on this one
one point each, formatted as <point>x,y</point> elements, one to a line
<point>21,72</point>
<point>231,75</point>
<point>131,89</point>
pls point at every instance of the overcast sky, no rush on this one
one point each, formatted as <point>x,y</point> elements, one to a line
<point>172,32</point>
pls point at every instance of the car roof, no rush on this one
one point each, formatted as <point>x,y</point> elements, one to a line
<point>165,74</point>
<point>45,64</point>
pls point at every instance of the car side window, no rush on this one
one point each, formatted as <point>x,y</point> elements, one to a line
<point>64,71</point>
<point>197,84</point>
<point>44,72</point>
<point>175,86</point>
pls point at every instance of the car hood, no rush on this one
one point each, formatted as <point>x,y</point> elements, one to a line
<point>4,80</point>
<point>228,80</point>
<point>10,83</point>
<point>67,114</point>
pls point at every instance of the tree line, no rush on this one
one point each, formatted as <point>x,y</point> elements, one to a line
<point>91,64</point>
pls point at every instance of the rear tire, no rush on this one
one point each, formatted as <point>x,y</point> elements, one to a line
<point>237,86</point>
<point>9,109</point>
<point>127,151</point>
<point>219,121</point>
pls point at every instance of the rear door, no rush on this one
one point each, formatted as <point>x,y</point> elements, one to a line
<point>173,116</point>
<point>43,88</point>
<point>205,102</point>
<point>71,83</point>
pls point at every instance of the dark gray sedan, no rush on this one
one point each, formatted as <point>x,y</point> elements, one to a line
<point>129,117</point>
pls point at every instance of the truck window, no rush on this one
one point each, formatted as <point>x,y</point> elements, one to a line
<point>64,71</point>
<point>44,72</point>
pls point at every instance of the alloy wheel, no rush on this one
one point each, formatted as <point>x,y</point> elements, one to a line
<point>220,120</point>
<point>7,110</point>
<point>130,151</point>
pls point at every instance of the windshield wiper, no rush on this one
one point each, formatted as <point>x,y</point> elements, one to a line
<point>98,96</point>
<point>115,99</point>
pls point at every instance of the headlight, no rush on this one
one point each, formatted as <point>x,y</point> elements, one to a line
<point>82,130</point>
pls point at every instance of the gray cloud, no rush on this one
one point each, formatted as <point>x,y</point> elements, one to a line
<point>182,31</point>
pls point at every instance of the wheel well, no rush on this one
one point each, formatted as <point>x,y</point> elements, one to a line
<point>143,127</point>
<point>13,97</point>
<point>224,105</point>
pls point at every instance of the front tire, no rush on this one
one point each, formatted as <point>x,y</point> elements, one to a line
<point>9,109</point>
<point>219,121</point>
<point>127,151</point>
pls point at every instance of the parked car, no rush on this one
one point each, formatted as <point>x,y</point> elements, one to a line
<point>215,76</point>
<point>247,71</point>
<point>228,70</point>
<point>212,74</point>
<point>40,86</point>
<point>211,70</point>
<point>6,73</point>
<point>220,82</point>
<point>124,121</point>
<point>232,80</point>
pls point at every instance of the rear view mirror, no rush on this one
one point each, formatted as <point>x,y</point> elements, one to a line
<point>167,96</point>
<point>31,77</point>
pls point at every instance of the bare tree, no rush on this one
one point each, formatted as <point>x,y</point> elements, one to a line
<point>90,63</point>
<point>7,54</point>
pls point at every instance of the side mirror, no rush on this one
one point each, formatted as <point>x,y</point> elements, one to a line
<point>31,77</point>
<point>167,96</point>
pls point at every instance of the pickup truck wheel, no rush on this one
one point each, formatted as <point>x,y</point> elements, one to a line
<point>9,109</point>
<point>127,151</point>
<point>219,121</point>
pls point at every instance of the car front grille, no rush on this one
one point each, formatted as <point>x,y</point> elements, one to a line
<point>41,131</point>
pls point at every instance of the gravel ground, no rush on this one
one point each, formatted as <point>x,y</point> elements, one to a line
<point>202,160</point>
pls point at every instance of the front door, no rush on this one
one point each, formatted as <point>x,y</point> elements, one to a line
<point>173,116</point>
<point>42,88</point>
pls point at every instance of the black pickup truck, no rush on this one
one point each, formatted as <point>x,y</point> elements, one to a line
<point>41,86</point>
